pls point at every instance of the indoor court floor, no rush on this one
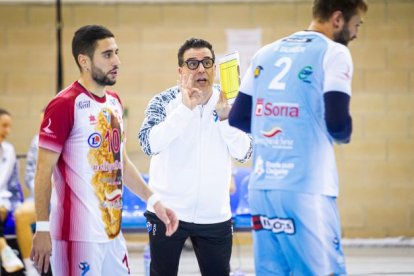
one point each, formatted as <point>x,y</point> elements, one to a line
<point>363,257</point>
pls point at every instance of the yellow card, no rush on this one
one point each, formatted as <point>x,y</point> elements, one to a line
<point>230,75</point>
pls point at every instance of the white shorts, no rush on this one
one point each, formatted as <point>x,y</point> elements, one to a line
<point>90,259</point>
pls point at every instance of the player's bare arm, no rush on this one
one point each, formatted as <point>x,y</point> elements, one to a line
<point>42,246</point>
<point>135,182</point>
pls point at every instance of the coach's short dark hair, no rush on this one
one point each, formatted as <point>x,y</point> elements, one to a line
<point>196,43</point>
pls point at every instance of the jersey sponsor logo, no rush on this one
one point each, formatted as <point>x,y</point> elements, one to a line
<point>268,109</point>
<point>83,104</point>
<point>272,132</point>
<point>118,116</point>
<point>278,170</point>
<point>259,107</point>
<point>257,71</point>
<point>46,131</point>
<point>92,120</point>
<point>108,167</point>
<point>112,101</point>
<point>259,166</point>
<point>107,115</point>
<point>298,39</point>
<point>276,225</point>
<point>112,204</point>
<point>111,180</point>
<point>305,73</point>
<point>84,267</point>
<point>346,75</point>
<point>95,140</point>
<point>280,140</point>
<point>272,170</point>
<point>289,49</point>
<point>113,199</point>
<point>114,195</point>
<point>47,128</point>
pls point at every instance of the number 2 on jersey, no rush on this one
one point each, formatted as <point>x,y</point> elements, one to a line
<point>284,63</point>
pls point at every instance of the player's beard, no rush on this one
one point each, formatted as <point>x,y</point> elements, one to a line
<point>343,36</point>
<point>100,77</point>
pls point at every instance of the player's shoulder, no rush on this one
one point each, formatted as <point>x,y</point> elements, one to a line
<point>69,93</point>
<point>336,50</point>
<point>331,48</point>
<point>270,48</point>
<point>66,97</point>
<point>112,94</point>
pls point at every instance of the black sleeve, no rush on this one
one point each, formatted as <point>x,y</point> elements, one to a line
<point>241,112</point>
<point>337,117</point>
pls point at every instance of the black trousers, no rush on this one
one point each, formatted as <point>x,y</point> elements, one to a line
<point>212,245</point>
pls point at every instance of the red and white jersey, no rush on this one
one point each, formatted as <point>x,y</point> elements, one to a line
<point>88,133</point>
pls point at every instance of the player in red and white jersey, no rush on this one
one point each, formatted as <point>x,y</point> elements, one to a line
<point>81,149</point>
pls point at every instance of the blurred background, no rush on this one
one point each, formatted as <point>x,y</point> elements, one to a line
<point>376,170</point>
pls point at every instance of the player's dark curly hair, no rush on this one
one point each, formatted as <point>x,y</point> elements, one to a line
<point>323,9</point>
<point>85,40</point>
<point>4,112</point>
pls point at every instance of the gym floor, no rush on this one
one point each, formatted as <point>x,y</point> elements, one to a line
<point>363,257</point>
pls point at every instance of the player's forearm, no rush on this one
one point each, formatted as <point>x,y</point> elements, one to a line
<point>43,191</point>
<point>134,180</point>
<point>43,182</point>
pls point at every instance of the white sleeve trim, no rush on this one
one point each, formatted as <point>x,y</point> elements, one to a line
<point>338,69</point>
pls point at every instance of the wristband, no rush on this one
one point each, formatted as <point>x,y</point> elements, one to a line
<point>152,200</point>
<point>42,226</point>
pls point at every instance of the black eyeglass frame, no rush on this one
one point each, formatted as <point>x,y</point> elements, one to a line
<point>204,61</point>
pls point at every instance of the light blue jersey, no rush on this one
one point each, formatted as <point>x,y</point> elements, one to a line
<point>293,150</point>
<point>294,183</point>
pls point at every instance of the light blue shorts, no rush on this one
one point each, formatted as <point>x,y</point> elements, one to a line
<point>296,233</point>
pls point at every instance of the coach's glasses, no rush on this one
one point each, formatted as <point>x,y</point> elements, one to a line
<point>193,64</point>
